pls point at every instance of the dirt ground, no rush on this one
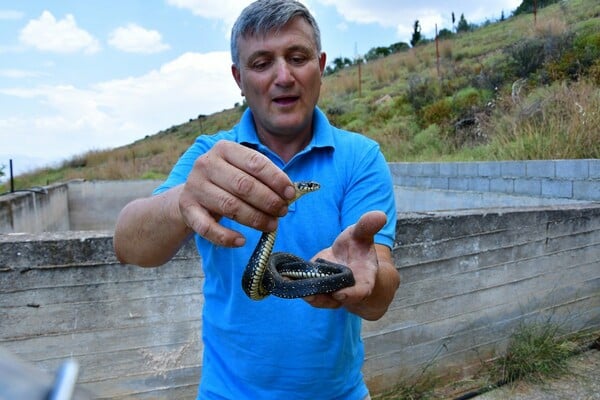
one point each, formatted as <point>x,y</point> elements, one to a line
<point>582,383</point>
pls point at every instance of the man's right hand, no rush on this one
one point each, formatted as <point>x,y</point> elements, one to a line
<point>236,182</point>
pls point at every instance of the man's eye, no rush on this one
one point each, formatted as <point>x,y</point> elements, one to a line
<point>298,60</point>
<point>260,65</point>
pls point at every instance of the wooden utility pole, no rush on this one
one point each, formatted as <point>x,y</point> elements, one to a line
<point>437,51</point>
<point>359,77</point>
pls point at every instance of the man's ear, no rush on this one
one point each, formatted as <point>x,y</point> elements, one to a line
<point>322,62</point>
<point>237,76</point>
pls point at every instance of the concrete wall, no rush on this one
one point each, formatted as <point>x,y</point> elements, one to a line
<point>77,206</point>
<point>468,279</point>
<point>133,331</point>
<point>565,179</point>
<point>36,211</point>
<point>94,205</point>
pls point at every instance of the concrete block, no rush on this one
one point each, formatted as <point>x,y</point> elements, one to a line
<point>438,183</point>
<point>405,180</point>
<point>467,169</point>
<point>586,190</point>
<point>489,169</point>
<point>399,168</point>
<point>540,169</point>
<point>502,185</point>
<point>557,188</point>
<point>431,182</point>
<point>594,169</point>
<point>479,184</point>
<point>429,169</point>
<point>448,169</point>
<point>530,187</point>
<point>458,184</point>
<point>516,169</point>
<point>572,169</point>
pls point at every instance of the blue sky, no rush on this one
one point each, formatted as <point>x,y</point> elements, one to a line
<point>86,75</point>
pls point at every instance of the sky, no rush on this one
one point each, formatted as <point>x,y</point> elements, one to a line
<point>77,76</point>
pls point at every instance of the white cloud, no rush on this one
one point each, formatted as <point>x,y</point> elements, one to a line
<point>136,39</point>
<point>10,15</point>
<point>402,15</point>
<point>19,73</point>
<point>69,120</point>
<point>60,36</point>
<point>227,10</point>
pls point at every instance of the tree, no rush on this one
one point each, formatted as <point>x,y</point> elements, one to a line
<point>463,25</point>
<point>338,64</point>
<point>527,6</point>
<point>377,52</point>
<point>445,34</point>
<point>453,20</point>
<point>416,36</point>
<point>398,47</point>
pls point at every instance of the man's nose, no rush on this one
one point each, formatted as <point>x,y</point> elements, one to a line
<point>284,76</point>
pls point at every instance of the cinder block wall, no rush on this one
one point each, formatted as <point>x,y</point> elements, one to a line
<point>567,179</point>
<point>467,281</point>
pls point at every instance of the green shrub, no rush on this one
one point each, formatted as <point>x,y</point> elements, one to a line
<point>530,55</point>
<point>428,142</point>
<point>421,91</point>
<point>437,113</point>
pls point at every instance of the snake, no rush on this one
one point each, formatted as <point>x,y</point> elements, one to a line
<point>286,275</point>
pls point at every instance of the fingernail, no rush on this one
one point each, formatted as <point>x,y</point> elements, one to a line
<point>283,211</point>
<point>290,192</point>
<point>239,242</point>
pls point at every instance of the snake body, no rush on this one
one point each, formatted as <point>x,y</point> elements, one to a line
<point>286,275</point>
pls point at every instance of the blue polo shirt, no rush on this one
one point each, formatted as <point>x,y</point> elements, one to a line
<point>277,348</point>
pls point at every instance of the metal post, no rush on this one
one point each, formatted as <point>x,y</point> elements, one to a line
<point>12,179</point>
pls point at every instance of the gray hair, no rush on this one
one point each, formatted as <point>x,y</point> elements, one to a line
<point>265,16</point>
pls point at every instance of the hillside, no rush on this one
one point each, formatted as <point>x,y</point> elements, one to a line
<point>513,89</point>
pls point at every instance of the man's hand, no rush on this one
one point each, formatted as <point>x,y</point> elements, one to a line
<point>374,272</point>
<point>236,182</point>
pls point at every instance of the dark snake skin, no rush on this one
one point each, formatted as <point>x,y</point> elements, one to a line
<point>288,276</point>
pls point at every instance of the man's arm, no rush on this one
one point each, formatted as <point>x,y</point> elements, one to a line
<point>229,180</point>
<point>149,231</point>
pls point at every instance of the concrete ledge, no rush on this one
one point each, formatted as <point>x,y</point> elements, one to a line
<point>566,179</point>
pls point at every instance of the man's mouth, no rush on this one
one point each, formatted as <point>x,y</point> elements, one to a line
<point>285,100</point>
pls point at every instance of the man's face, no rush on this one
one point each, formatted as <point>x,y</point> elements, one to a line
<point>280,75</point>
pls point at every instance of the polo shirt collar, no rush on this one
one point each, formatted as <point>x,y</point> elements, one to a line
<point>322,132</point>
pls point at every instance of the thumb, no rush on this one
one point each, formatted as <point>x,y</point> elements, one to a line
<point>368,225</point>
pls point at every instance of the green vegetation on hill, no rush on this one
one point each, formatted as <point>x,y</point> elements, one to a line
<point>508,90</point>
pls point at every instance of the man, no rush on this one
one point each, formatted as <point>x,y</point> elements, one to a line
<point>230,186</point>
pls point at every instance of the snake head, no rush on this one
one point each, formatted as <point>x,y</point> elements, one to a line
<point>304,187</point>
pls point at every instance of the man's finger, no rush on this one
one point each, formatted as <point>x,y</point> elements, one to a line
<point>368,225</point>
<point>207,227</point>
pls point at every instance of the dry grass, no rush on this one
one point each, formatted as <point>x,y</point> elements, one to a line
<point>558,122</point>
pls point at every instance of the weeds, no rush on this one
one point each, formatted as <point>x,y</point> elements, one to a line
<point>558,122</point>
<point>534,352</point>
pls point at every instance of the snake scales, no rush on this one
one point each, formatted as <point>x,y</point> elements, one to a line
<point>286,275</point>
